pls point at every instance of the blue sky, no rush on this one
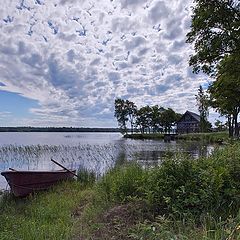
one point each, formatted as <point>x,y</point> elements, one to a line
<point>63,62</point>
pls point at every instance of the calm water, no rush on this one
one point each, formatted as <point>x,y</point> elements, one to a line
<point>95,151</point>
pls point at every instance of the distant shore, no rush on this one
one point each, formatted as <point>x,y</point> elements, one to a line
<point>56,129</point>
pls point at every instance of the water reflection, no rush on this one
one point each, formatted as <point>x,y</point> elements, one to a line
<point>95,151</point>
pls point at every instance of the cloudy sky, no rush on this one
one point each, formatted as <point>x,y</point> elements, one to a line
<point>63,62</point>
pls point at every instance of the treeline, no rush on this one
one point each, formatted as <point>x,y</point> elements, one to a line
<point>145,119</point>
<point>56,129</point>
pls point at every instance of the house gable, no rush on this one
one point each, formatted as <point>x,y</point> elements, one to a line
<point>188,123</point>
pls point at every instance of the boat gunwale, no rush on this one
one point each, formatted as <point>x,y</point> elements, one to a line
<point>37,171</point>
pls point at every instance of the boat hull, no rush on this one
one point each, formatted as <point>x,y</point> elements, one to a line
<point>23,183</point>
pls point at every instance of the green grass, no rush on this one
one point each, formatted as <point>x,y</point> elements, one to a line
<point>181,199</point>
<point>218,137</point>
<point>42,216</point>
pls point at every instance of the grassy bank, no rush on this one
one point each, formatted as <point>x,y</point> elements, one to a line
<point>217,137</point>
<point>181,199</point>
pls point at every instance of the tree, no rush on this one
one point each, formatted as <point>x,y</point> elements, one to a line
<point>131,111</point>
<point>155,117</point>
<point>203,105</point>
<point>220,125</point>
<point>121,113</point>
<point>215,33</point>
<point>168,118</point>
<point>144,118</point>
<point>225,92</point>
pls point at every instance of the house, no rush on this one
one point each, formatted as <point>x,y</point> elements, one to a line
<point>188,123</point>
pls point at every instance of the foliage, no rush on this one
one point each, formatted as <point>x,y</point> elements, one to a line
<point>166,228</point>
<point>143,119</point>
<point>215,33</point>
<point>121,113</point>
<point>181,187</point>
<point>225,93</point>
<point>203,105</point>
<point>220,125</point>
<point>168,118</point>
<point>132,111</point>
<point>147,119</point>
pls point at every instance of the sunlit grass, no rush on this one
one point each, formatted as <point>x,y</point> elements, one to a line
<point>45,215</point>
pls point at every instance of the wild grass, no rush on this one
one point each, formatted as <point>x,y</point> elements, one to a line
<point>183,198</point>
<point>181,187</point>
<point>212,137</point>
<point>45,215</point>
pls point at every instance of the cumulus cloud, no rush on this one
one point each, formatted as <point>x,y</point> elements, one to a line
<point>75,57</point>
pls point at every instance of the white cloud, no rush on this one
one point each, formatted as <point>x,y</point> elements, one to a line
<point>75,57</point>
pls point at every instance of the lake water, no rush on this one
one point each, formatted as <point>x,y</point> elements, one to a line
<point>95,151</point>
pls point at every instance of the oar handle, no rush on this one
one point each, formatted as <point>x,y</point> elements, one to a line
<point>12,169</point>
<point>64,167</point>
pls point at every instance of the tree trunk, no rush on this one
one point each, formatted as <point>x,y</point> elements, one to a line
<point>235,120</point>
<point>230,126</point>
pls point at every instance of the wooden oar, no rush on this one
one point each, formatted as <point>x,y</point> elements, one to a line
<point>14,170</point>
<point>64,167</point>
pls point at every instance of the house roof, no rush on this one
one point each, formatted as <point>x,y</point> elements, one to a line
<point>194,115</point>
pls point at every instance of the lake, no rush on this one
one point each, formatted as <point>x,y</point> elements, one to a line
<point>95,151</point>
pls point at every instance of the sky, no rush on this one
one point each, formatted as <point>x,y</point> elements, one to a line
<point>64,62</point>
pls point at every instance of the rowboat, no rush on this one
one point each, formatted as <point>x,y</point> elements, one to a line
<point>22,183</point>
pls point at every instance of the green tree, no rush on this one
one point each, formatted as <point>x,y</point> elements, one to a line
<point>131,111</point>
<point>203,105</point>
<point>215,33</point>
<point>168,118</point>
<point>219,125</point>
<point>155,117</point>
<point>143,119</point>
<point>225,92</point>
<point>121,113</point>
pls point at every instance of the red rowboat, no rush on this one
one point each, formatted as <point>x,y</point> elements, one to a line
<point>23,183</point>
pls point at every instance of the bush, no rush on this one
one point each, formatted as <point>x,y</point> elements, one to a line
<point>181,187</point>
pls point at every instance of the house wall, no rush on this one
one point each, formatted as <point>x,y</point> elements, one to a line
<point>188,124</point>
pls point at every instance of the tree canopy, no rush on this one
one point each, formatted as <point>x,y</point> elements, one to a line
<point>215,33</point>
<point>145,119</point>
<point>225,92</point>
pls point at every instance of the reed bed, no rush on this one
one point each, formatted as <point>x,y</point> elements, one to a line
<point>98,158</point>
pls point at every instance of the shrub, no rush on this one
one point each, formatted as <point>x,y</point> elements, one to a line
<point>181,187</point>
